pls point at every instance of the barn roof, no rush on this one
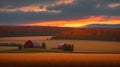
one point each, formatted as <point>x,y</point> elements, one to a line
<point>34,43</point>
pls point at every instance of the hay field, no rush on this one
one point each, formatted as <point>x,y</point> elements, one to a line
<point>85,57</point>
<point>58,60</point>
<point>79,45</point>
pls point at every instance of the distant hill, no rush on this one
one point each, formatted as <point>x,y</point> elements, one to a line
<point>104,34</point>
<point>103,26</point>
<point>9,31</point>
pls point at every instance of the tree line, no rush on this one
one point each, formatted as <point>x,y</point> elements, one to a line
<point>9,31</point>
<point>90,34</point>
<point>12,45</point>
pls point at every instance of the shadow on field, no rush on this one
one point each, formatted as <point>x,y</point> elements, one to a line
<point>58,64</point>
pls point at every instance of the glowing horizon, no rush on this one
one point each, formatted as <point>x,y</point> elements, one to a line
<point>78,23</point>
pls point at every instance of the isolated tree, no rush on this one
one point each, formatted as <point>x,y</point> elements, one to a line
<point>44,45</point>
<point>19,46</point>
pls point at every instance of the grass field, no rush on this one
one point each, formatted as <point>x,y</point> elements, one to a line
<point>33,50</point>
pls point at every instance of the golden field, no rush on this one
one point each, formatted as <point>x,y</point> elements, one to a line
<point>58,60</point>
<point>86,54</point>
<point>79,45</point>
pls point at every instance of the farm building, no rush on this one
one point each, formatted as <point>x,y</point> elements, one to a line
<point>31,44</point>
<point>61,46</point>
<point>65,47</point>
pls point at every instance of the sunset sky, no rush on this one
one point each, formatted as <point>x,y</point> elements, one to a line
<point>63,13</point>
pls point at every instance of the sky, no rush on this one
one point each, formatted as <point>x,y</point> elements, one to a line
<point>62,13</point>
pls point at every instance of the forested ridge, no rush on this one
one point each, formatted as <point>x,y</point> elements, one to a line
<point>10,31</point>
<point>104,34</point>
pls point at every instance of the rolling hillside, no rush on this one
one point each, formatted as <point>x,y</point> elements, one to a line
<point>107,34</point>
<point>8,31</point>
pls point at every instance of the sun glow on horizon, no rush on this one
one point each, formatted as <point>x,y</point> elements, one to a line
<point>71,23</point>
<point>78,23</point>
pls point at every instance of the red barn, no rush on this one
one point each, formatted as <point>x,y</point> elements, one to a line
<point>31,44</point>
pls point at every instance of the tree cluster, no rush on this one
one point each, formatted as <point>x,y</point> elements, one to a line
<point>43,45</point>
<point>68,47</point>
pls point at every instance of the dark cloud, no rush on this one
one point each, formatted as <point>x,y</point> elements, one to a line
<point>76,10</point>
<point>10,4</point>
<point>26,17</point>
<point>89,7</point>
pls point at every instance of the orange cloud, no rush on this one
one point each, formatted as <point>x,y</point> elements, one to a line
<point>65,2</point>
<point>34,8</point>
<point>113,5</point>
<point>37,8</point>
<point>80,22</point>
